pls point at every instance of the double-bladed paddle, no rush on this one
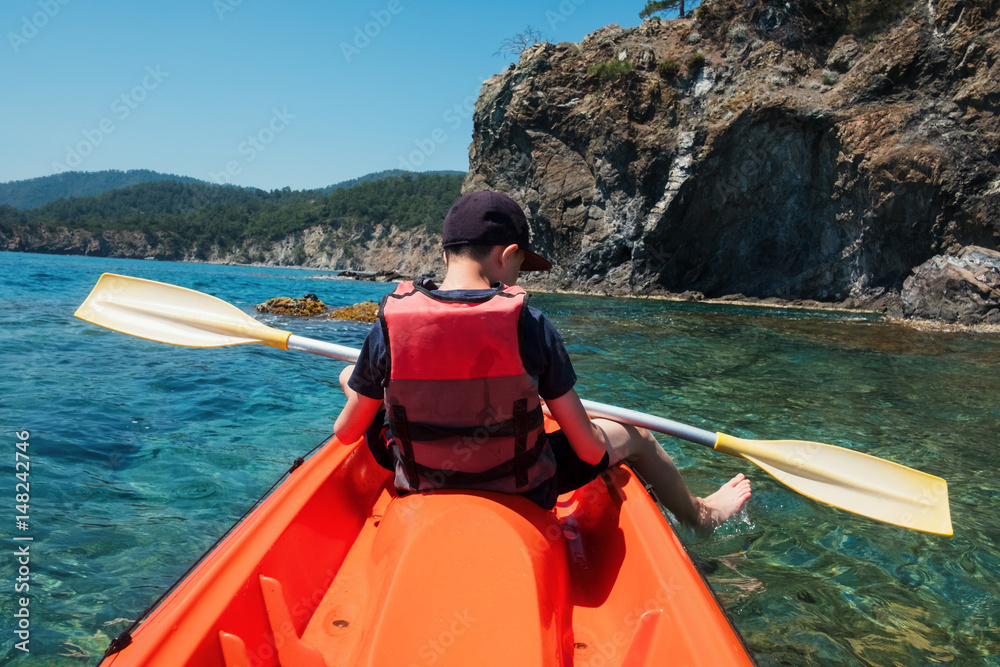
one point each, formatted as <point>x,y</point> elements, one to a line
<point>846,479</point>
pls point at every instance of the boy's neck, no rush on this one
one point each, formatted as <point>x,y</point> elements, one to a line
<point>466,275</point>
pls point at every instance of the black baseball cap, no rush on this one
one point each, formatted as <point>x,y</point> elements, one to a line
<point>490,218</point>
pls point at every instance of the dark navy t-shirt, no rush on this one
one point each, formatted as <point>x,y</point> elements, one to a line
<point>543,353</point>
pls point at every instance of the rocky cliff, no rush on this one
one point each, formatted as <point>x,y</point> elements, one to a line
<point>411,252</point>
<point>64,241</point>
<point>756,148</point>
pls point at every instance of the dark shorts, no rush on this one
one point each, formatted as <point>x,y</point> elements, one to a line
<point>571,472</point>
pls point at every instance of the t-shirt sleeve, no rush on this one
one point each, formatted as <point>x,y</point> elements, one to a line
<point>546,356</point>
<point>369,372</point>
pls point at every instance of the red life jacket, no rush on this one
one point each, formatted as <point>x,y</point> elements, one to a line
<point>464,411</point>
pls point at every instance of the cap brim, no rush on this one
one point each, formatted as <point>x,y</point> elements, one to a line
<point>533,262</point>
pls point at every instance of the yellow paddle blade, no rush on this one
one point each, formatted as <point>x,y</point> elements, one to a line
<point>171,314</point>
<point>851,481</point>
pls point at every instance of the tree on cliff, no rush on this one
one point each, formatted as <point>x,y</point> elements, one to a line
<point>513,46</point>
<point>657,6</point>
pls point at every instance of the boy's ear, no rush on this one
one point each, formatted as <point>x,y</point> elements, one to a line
<point>508,253</point>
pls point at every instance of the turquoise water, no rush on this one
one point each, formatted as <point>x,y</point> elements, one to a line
<point>142,454</point>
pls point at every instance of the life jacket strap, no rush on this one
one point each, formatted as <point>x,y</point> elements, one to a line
<point>520,441</point>
<point>458,478</point>
<point>533,419</point>
<point>401,431</point>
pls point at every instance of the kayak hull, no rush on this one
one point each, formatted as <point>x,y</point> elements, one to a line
<point>334,569</point>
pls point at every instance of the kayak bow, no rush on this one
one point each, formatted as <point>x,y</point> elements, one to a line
<point>335,569</point>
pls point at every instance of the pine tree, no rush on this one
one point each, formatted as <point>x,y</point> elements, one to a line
<point>657,6</point>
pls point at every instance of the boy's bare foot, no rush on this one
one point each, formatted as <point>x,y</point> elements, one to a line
<point>716,509</point>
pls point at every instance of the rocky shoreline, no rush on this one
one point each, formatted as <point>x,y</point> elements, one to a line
<point>887,311</point>
<point>959,290</point>
<point>946,293</point>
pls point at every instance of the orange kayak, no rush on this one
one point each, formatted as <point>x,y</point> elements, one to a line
<point>334,569</point>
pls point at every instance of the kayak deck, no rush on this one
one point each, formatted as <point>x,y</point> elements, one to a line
<point>335,569</point>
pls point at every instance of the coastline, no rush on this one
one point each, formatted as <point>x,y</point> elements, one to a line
<point>884,309</point>
<point>868,314</point>
<point>734,300</point>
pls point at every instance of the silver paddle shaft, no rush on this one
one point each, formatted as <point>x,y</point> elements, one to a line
<point>322,348</point>
<point>659,424</point>
<point>594,409</point>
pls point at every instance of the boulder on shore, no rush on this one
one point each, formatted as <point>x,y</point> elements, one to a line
<point>308,306</point>
<point>366,311</point>
<point>963,288</point>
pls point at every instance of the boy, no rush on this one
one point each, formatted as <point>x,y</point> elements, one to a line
<point>459,371</point>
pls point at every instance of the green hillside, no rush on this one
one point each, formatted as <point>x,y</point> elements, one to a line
<point>35,192</point>
<point>378,175</point>
<point>195,217</point>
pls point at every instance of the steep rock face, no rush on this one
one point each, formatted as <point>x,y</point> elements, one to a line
<point>63,241</point>
<point>963,288</point>
<point>410,252</point>
<point>384,247</point>
<point>792,162</point>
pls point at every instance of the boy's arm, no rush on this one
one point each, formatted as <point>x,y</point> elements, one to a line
<point>357,415</point>
<point>586,439</point>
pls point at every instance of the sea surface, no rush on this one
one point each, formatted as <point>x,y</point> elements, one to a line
<point>142,454</point>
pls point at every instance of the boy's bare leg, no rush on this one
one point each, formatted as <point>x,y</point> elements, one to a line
<point>655,466</point>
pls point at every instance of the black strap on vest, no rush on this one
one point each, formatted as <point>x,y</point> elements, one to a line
<point>401,431</point>
<point>457,478</point>
<point>504,429</point>
<point>520,441</point>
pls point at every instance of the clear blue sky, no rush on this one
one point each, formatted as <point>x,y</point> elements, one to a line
<point>258,92</point>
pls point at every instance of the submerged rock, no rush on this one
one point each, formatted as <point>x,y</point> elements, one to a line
<point>386,276</point>
<point>308,306</point>
<point>359,312</point>
<point>963,288</point>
